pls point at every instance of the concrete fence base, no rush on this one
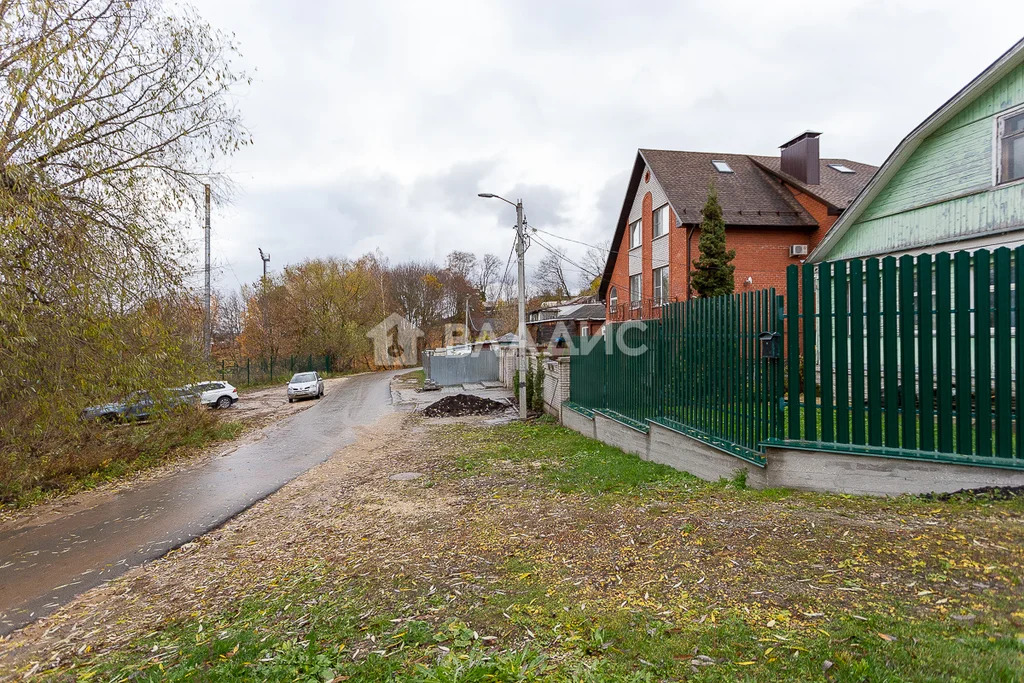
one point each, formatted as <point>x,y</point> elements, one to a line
<point>805,470</point>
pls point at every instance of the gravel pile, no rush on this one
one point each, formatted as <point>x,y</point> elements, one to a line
<point>459,405</point>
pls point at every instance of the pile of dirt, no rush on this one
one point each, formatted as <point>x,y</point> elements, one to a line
<point>983,493</point>
<point>459,405</point>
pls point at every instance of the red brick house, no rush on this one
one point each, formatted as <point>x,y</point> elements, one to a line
<point>776,211</point>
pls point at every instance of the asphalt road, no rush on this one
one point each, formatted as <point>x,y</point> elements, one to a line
<point>44,566</point>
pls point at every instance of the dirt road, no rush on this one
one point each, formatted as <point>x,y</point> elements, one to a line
<point>50,557</point>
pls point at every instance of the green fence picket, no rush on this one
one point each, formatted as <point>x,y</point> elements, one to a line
<point>825,345</point>
<point>890,353</point>
<point>962,346</point>
<point>1018,279</point>
<point>1003,369</point>
<point>842,337</point>
<point>925,351</point>
<point>857,432</point>
<point>908,361</point>
<point>944,352</point>
<point>810,355</point>
<point>982,353</point>
<point>793,351</point>
<point>873,341</point>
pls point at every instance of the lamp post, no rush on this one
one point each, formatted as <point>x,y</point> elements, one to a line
<point>521,253</point>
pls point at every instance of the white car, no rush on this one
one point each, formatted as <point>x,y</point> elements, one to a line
<point>216,394</point>
<point>305,385</point>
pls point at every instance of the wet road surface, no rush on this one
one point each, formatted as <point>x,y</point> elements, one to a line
<point>44,566</point>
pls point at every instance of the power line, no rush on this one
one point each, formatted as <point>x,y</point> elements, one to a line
<point>565,258</point>
<point>569,239</point>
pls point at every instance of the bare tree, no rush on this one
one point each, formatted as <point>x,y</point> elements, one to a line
<point>593,263</point>
<point>487,272</point>
<point>550,274</point>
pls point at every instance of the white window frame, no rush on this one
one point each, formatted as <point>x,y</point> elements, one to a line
<point>636,233</point>
<point>661,285</point>
<point>663,212</point>
<point>613,299</point>
<point>997,145</point>
<point>634,301</point>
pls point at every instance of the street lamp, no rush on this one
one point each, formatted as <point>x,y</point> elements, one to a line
<point>521,252</point>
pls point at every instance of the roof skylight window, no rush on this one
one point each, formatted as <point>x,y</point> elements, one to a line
<point>841,168</point>
<point>721,166</point>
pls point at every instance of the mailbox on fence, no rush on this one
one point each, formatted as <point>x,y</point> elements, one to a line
<point>771,345</point>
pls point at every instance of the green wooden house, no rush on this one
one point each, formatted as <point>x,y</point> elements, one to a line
<point>956,182</point>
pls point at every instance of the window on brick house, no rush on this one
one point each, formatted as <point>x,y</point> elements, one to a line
<point>634,291</point>
<point>613,299</point>
<point>660,221</point>
<point>660,285</point>
<point>635,233</point>
<point>1010,139</point>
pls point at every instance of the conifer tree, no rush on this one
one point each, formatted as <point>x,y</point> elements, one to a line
<point>713,269</point>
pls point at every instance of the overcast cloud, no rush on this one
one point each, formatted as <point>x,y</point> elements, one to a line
<point>376,124</point>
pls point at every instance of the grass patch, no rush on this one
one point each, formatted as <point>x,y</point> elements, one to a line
<point>563,559</point>
<point>322,628</point>
<point>561,457</point>
<point>106,452</point>
<point>417,376</point>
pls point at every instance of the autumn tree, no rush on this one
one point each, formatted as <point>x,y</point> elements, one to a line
<point>112,117</point>
<point>713,269</point>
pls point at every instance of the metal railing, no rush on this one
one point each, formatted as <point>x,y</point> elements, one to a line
<point>641,309</point>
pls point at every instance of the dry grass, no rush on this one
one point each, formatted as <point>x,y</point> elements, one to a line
<point>527,552</point>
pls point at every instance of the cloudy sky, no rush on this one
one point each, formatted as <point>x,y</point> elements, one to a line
<point>376,124</point>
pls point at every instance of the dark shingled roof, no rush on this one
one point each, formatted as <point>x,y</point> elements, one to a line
<point>836,189</point>
<point>753,195</point>
<point>748,195</point>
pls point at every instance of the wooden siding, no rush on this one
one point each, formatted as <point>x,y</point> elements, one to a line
<point>1006,93</point>
<point>944,192</point>
<point>944,166</point>
<point>987,212</point>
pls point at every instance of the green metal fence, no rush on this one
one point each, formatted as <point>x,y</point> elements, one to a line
<point>254,371</point>
<point>698,370</point>
<point>909,357</point>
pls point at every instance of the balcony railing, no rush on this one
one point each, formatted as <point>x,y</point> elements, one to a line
<point>642,309</point>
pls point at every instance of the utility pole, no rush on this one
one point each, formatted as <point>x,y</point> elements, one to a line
<point>521,252</point>
<point>208,322</point>
<point>266,259</point>
<point>263,285</point>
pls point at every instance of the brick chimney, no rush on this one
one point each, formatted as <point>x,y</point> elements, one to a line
<point>800,158</point>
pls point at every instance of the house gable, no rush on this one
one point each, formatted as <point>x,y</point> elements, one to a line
<point>938,185</point>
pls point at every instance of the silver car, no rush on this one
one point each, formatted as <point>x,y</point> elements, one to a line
<point>305,385</point>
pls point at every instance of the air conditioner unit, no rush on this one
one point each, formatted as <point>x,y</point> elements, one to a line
<point>798,250</point>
